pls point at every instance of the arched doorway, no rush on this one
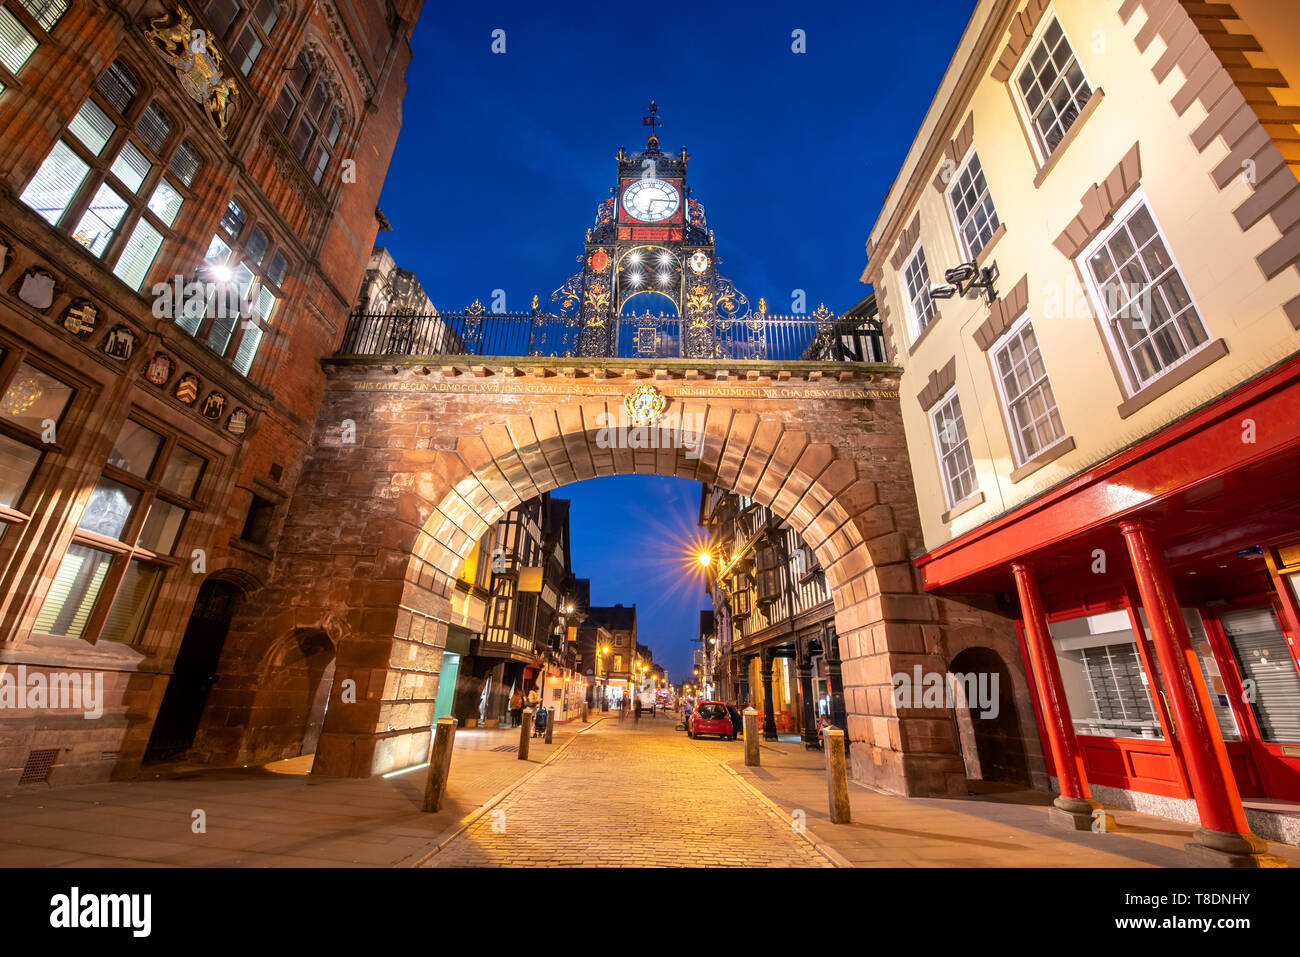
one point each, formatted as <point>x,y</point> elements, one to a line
<point>988,724</point>
<point>194,672</point>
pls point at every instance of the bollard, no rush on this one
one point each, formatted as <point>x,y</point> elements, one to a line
<point>584,712</point>
<point>550,725</point>
<point>751,738</point>
<point>444,738</point>
<point>837,777</point>
<point>525,733</point>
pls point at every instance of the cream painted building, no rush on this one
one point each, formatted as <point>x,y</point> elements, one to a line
<point>1107,430</point>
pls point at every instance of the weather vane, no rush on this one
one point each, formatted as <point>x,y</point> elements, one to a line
<point>652,121</point>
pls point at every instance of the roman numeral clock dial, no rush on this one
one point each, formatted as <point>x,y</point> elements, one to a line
<point>651,200</point>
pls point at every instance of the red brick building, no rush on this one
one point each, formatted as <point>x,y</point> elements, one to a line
<point>159,166</point>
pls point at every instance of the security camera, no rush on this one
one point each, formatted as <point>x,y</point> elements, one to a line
<point>960,274</point>
<point>938,291</point>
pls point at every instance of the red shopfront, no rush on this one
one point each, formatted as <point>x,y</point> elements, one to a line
<point>1195,530</point>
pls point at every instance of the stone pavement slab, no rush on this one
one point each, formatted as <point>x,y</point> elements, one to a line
<point>273,816</point>
<point>1005,828</point>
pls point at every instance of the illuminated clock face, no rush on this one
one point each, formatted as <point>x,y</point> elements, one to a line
<point>651,200</point>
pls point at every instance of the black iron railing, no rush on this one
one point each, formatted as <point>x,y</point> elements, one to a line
<point>480,333</point>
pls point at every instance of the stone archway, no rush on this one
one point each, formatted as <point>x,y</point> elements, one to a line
<point>412,464</point>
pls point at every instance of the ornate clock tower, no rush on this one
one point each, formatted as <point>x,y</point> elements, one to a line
<point>649,258</point>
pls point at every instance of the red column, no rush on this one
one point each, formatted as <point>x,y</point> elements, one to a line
<point>1051,696</point>
<point>1215,789</point>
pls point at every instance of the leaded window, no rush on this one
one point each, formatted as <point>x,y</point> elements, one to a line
<point>309,113</point>
<point>244,26</point>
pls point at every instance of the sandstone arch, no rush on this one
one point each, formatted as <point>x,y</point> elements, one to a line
<point>412,465</point>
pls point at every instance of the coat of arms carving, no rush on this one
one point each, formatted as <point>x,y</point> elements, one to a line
<point>80,318</point>
<point>37,289</point>
<point>187,389</point>
<point>120,343</point>
<point>645,405</point>
<point>213,405</point>
<point>197,63</point>
<point>159,369</point>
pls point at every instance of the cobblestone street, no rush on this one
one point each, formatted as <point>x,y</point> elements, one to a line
<point>632,795</point>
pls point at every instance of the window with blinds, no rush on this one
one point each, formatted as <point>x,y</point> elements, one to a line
<point>138,255</point>
<point>131,606</point>
<point>186,163</point>
<point>1106,688</point>
<point>16,42</point>
<point>119,86</point>
<point>154,127</point>
<point>55,183</point>
<point>135,199</point>
<point>247,350</point>
<point>232,267</point>
<point>71,598</point>
<point>1272,682</point>
<point>142,500</point>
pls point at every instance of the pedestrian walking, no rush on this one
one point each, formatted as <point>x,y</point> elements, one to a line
<point>516,709</point>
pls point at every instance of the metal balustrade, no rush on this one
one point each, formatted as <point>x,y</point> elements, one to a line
<point>480,333</point>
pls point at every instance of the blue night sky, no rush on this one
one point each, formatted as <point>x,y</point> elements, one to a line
<point>503,158</point>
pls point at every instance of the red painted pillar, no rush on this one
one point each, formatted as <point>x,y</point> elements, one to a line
<point>1223,830</point>
<point>1075,800</point>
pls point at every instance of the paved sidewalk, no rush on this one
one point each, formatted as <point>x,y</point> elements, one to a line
<point>1004,828</point>
<point>277,816</point>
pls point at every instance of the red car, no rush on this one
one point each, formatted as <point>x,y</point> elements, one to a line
<point>711,717</point>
